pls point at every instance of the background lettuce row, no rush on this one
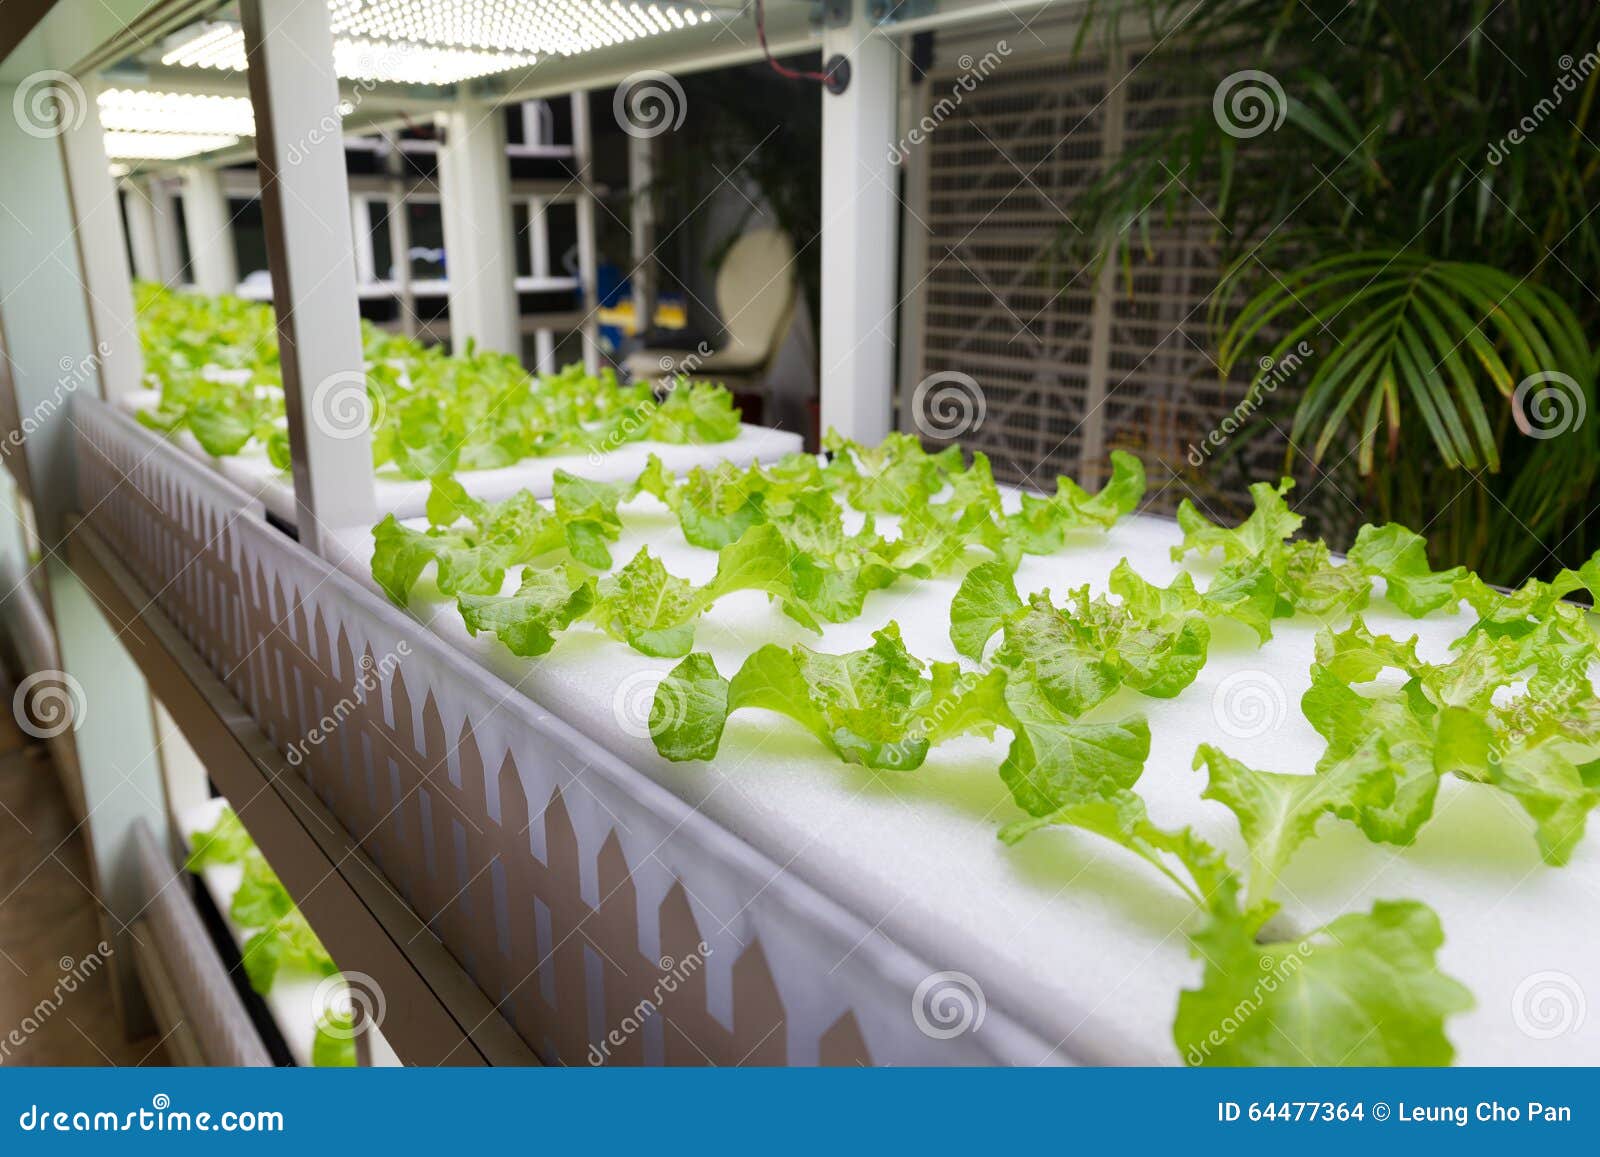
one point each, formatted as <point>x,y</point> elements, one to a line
<point>214,361</point>
<point>778,529</point>
<point>281,937</point>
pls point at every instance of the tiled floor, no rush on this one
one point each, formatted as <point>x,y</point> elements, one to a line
<point>52,999</point>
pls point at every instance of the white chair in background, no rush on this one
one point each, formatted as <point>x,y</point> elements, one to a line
<point>756,296</point>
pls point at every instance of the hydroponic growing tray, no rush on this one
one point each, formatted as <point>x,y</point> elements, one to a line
<point>573,889</point>
<point>1075,939</point>
<point>252,472</point>
<point>292,1000</point>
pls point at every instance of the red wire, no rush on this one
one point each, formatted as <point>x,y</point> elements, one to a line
<point>780,69</point>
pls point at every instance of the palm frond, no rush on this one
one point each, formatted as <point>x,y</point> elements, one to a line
<point>1403,337</point>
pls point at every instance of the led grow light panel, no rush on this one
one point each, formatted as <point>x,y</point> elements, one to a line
<point>550,26</point>
<point>443,42</point>
<point>222,47</point>
<point>142,124</point>
<point>143,111</point>
<point>164,146</point>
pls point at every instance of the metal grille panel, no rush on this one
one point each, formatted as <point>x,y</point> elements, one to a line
<point>1071,364</point>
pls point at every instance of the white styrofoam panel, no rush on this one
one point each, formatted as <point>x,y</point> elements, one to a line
<point>407,498</point>
<point>1068,935</point>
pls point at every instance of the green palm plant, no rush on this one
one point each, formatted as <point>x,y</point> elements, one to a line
<point>1413,198</point>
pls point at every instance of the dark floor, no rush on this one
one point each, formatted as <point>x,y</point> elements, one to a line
<point>49,926</point>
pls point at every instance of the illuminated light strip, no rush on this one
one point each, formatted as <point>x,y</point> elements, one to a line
<point>141,111</point>
<point>419,63</point>
<point>564,26</point>
<point>164,146</point>
<point>446,41</point>
<point>397,63</point>
<point>213,43</point>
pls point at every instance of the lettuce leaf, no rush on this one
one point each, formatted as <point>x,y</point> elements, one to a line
<point>1515,713</point>
<point>877,707</point>
<point>1277,813</point>
<point>546,602</point>
<point>1400,557</point>
<point>224,842</point>
<point>1042,525</point>
<point>1364,989</point>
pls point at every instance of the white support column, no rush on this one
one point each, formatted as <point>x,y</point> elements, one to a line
<point>104,257</point>
<point>164,215</point>
<point>911,344</point>
<point>859,217</point>
<point>207,224</point>
<point>641,200</point>
<point>43,311</point>
<point>141,230</point>
<point>544,339</point>
<point>305,202</point>
<point>480,263</point>
<point>588,251</point>
<point>44,307</point>
<point>544,351</point>
<point>394,163</point>
<point>1092,454</point>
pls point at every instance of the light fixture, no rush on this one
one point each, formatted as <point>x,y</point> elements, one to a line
<point>214,45</point>
<point>562,27</point>
<point>396,62</point>
<point>441,42</point>
<point>146,111</point>
<point>406,63</point>
<point>164,146</point>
